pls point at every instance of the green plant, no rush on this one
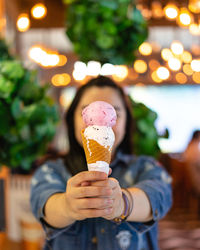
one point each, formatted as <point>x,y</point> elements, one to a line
<point>4,52</point>
<point>145,136</point>
<point>27,115</point>
<point>105,31</point>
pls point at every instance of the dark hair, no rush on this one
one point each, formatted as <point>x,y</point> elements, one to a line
<point>195,135</point>
<point>76,156</point>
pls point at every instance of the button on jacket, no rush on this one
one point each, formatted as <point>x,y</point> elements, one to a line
<point>98,233</point>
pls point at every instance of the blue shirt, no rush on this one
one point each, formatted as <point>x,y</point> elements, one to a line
<point>98,233</point>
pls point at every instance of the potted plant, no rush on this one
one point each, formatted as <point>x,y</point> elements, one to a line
<point>28,116</point>
<point>105,31</point>
<point>145,136</point>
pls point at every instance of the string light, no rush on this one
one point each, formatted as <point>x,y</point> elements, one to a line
<point>171,11</point>
<point>23,22</point>
<point>39,11</point>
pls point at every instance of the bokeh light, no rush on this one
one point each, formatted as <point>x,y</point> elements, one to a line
<point>166,54</point>
<point>140,66</point>
<point>23,22</point>
<point>62,60</point>
<point>79,75</point>
<point>155,77</point>
<point>59,80</point>
<point>194,6</point>
<point>177,48</point>
<point>187,69</point>
<point>174,64</point>
<point>195,65</point>
<point>39,11</point>
<point>181,78</point>
<point>153,64</point>
<point>121,71</point>
<point>196,77</point>
<point>186,57</point>
<point>145,49</point>
<point>107,69</point>
<point>194,29</point>
<point>171,11</point>
<point>184,18</point>
<point>93,68</point>
<point>163,73</point>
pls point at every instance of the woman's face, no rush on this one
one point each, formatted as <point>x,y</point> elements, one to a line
<point>106,94</point>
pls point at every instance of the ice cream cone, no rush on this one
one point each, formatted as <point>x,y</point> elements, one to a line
<point>98,157</point>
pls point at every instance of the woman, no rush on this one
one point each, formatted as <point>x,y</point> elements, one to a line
<point>89,210</point>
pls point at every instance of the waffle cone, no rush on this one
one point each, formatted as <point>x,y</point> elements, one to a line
<point>97,151</point>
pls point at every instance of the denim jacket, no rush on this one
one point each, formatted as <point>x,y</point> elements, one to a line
<point>98,233</point>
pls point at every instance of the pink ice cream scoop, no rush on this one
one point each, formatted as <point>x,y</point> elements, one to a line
<point>99,113</point>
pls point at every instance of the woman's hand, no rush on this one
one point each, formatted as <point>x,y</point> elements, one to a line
<point>94,200</point>
<point>116,196</point>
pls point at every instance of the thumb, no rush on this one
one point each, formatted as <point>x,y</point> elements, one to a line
<point>110,171</point>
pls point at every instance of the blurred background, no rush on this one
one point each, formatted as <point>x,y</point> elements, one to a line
<point>149,47</point>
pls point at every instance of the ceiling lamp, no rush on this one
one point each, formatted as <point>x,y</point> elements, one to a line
<point>145,49</point>
<point>163,73</point>
<point>140,66</point>
<point>184,17</point>
<point>39,11</point>
<point>23,22</point>
<point>194,6</point>
<point>174,64</point>
<point>171,11</point>
<point>177,48</point>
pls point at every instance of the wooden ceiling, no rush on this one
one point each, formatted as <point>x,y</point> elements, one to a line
<point>53,19</point>
<point>56,12</point>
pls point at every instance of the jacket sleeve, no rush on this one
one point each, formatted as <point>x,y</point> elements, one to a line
<point>153,179</point>
<point>46,181</point>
